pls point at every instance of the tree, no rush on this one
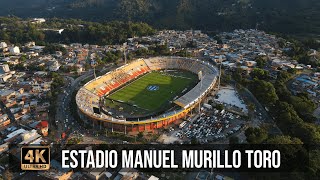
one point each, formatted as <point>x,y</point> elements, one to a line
<point>237,75</point>
<point>218,39</point>
<point>283,76</point>
<point>301,102</point>
<point>234,140</point>
<point>292,71</point>
<point>291,148</point>
<point>282,91</point>
<point>52,48</point>
<point>75,31</point>
<point>304,106</point>
<point>314,164</point>
<point>308,133</point>
<point>286,117</point>
<point>251,106</point>
<point>194,141</point>
<point>22,59</point>
<point>256,135</point>
<point>261,61</point>
<point>183,53</point>
<point>162,50</point>
<point>260,74</point>
<point>219,107</point>
<point>140,135</point>
<point>284,140</point>
<point>191,44</point>
<point>264,91</point>
<point>142,52</point>
<point>112,56</point>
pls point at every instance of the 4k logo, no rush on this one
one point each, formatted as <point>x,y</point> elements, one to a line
<point>35,158</point>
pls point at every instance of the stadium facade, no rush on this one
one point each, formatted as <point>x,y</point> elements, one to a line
<point>89,96</point>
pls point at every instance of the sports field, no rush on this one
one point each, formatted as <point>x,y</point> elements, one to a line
<point>155,90</point>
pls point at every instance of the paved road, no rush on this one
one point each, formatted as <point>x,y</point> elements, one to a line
<point>317,115</point>
<point>264,116</point>
<point>64,119</point>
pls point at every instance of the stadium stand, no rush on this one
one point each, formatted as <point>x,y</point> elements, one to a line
<point>90,94</point>
<point>197,92</point>
<point>105,84</point>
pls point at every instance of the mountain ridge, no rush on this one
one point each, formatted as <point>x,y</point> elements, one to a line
<point>285,16</point>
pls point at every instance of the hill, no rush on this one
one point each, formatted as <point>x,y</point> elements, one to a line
<point>285,16</point>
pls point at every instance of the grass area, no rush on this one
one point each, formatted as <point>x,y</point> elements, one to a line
<point>155,90</point>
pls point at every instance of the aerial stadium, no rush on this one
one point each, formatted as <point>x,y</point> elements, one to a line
<point>146,94</point>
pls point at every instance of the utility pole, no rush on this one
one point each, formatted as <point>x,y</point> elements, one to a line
<point>220,59</point>
<point>93,64</point>
<point>200,78</point>
<point>125,52</point>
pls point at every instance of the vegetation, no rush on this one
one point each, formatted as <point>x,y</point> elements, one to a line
<point>16,30</point>
<point>285,16</point>
<point>256,135</point>
<point>261,61</point>
<point>299,50</point>
<point>58,82</point>
<point>293,114</point>
<point>137,92</point>
<point>52,48</point>
<point>260,74</point>
<point>154,50</point>
<point>264,91</point>
<point>74,140</point>
<point>234,140</point>
<point>284,140</point>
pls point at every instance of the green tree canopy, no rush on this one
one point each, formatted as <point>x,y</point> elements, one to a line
<point>260,74</point>
<point>264,91</point>
<point>256,135</point>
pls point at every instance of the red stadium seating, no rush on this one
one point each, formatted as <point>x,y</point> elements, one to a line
<point>122,76</point>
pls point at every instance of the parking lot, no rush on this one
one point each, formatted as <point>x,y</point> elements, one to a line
<point>212,125</point>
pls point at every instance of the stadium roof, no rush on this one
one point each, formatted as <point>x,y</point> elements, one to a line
<point>88,97</point>
<point>197,92</point>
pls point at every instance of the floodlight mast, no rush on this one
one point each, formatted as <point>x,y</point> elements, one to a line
<point>125,52</point>
<point>200,78</point>
<point>220,59</point>
<point>93,64</point>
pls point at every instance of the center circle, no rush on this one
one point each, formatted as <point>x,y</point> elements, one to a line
<point>153,88</point>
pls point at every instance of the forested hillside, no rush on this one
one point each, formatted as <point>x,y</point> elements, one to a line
<point>16,30</point>
<point>285,16</point>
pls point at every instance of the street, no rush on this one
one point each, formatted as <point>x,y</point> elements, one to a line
<point>64,120</point>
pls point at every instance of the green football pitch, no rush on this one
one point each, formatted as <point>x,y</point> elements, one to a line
<point>155,90</point>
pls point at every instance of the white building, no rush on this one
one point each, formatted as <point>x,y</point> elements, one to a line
<point>14,50</point>
<point>251,63</point>
<point>38,20</point>
<point>54,66</point>
<point>4,77</point>
<point>30,44</point>
<point>4,68</point>
<point>29,136</point>
<point>4,120</point>
<point>3,45</point>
